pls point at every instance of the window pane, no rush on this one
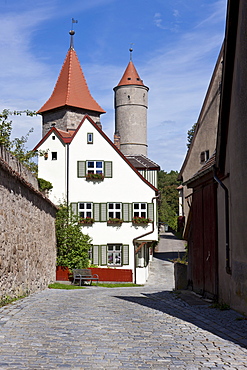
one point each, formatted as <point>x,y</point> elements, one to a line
<point>110,205</point>
<point>118,247</point>
<point>90,164</point>
<point>81,205</point>
<point>136,206</point>
<point>143,206</point>
<point>118,215</point>
<point>143,214</point>
<point>136,214</point>
<point>110,258</point>
<point>99,171</point>
<point>117,205</point>
<point>82,214</point>
<point>98,164</point>
<point>110,247</point>
<point>89,206</point>
<point>89,214</point>
<point>117,259</point>
<point>111,214</point>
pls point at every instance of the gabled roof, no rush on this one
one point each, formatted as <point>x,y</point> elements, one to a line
<point>130,76</point>
<point>71,88</point>
<point>65,139</point>
<point>140,162</point>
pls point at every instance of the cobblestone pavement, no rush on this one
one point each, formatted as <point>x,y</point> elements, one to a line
<point>146,327</point>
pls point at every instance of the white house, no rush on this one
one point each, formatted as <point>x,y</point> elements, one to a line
<point>110,192</point>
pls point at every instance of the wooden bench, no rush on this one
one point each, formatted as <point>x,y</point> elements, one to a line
<point>82,275</point>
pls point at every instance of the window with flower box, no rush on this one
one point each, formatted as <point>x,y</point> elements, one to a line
<point>110,255</point>
<point>94,169</point>
<point>85,210</point>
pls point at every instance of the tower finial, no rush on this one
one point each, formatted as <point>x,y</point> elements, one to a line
<point>131,51</point>
<point>72,32</point>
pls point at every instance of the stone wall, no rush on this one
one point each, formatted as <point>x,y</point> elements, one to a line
<point>27,231</point>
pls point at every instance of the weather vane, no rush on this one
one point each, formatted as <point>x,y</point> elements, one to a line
<point>131,50</point>
<point>72,32</point>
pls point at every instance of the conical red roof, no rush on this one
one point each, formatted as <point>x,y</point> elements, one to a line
<point>71,88</point>
<point>130,76</point>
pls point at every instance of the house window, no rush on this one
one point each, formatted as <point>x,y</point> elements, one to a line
<point>140,210</point>
<point>53,137</point>
<point>95,167</point>
<point>90,138</point>
<point>114,254</point>
<point>114,210</point>
<point>204,156</point>
<point>54,156</point>
<point>85,210</point>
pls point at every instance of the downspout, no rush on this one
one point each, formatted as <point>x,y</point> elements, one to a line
<point>228,269</point>
<point>67,178</point>
<point>141,236</point>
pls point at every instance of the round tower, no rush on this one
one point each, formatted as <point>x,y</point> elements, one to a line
<point>131,104</point>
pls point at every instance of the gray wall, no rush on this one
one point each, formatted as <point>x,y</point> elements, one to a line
<point>27,231</point>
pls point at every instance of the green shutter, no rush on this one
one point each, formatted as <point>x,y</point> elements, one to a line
<point>127,212</point>
<point>96,211</point>
<point>125,254</point>
<point>108,169</point>
<point>95,255</point>
<point>103,211</point>
<point>103,255</point>
<point>151,211</point>
<point>74,208</point>
<point>81,169</point>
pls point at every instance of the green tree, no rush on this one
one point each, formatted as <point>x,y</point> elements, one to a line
<point>190,135</point>
<point>168,208</point>
<point>72,244</point>
<point>17,146</point>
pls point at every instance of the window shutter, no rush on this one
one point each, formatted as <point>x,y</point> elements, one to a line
<point>81,169</point>
<point>103,255</point>
<point>125,254</point>
<point>95,255</point>
<point>103,209</point>
<point>74,208</point>
<point>96,211</point>
<point>127,212</point>
<point>151,211</point>
<point>108,169</point>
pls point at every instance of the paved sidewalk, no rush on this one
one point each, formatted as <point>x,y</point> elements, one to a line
<point>146,327</point>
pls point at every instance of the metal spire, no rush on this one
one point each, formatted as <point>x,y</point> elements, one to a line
<point>72,32</point>
<point>131,51</point>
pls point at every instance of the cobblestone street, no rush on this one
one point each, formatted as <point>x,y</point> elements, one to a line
<point>146,327</point>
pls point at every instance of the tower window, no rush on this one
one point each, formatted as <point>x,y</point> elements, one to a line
<point>129,78</point>
<point>53,156</point>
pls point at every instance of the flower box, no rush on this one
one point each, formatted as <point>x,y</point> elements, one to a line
<point>86,221</point>
<point>141,220</point>
<point>95,176</point>
<point>114,221</point>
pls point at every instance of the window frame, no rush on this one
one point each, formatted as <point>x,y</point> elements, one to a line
<point>90,141</point>
<point>140,211</point>
<point>114,210</point>
<point>80,210</point>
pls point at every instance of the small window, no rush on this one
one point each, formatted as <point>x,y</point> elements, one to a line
<point>204,156</point>
<point>114,210</point>
<point>54,156</point>
<point>90,138</point>
<point>85,210</point>
<point>95,167</point>
<point>114,254</point>
<point>53,137</point>
<point>129,78</point>
<point>140,210</point>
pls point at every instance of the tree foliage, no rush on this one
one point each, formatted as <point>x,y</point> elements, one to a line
<point>190,135</point>
<point>168,208</point>
<point>17,146</point>
<point>72,245</point>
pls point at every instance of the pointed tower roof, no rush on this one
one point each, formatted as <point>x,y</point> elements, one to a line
<point>71,88</point>
<point>130,76</point>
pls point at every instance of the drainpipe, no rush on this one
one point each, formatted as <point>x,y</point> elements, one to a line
<point>228,269</point>
<point>141,236</point>
<point>67,177</point>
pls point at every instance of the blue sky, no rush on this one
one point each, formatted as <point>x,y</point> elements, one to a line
<point>176,44</point>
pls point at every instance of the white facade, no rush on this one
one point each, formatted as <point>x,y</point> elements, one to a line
<point>123,193</point>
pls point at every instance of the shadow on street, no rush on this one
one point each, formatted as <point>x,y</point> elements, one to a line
<point>162,301</point>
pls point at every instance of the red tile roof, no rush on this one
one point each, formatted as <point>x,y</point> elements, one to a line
<point>130,76</point>
<point>71,88</point>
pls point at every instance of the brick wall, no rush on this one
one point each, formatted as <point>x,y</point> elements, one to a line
<point>27,231</point>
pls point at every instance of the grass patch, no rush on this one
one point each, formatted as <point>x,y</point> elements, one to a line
<point>116,285</point>
<point>220,306</point>
<point>64,286</point>
<point>5,300</point>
